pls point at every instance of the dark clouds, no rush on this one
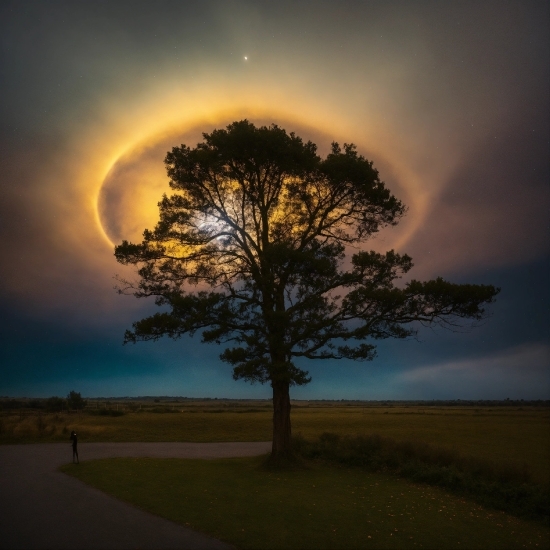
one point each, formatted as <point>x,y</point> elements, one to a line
<point>450,100</point>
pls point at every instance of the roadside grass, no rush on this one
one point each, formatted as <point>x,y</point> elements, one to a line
<point>502,435</point>
<point>509,487</point>
<point>320,507</point>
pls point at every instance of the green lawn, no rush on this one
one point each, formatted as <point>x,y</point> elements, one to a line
<point>322,507</point>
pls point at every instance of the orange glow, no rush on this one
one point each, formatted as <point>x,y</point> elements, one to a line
<point>137,178</point>
<point>122,135</point>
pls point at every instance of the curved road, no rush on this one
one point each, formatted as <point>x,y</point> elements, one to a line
<point>42,508</point>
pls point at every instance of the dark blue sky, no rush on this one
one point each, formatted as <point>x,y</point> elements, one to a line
<point>450,101</point>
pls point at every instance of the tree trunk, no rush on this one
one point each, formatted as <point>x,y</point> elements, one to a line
<point>281,420</point>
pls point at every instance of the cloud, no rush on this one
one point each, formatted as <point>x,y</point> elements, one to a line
<point>522,372</point>
<point>448,99</point>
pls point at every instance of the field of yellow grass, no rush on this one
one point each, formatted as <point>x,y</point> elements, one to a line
<point>500,434</point>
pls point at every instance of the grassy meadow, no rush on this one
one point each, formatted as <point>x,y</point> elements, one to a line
<point>505,435</point>
<point>334,501</point>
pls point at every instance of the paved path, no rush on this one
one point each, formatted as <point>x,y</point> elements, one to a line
<point>41,508</point>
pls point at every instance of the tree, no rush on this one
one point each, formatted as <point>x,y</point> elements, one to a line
<point>75,401</point>
<point>262,226</point>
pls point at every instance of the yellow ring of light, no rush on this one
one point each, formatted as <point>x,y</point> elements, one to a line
<point>186,128</point>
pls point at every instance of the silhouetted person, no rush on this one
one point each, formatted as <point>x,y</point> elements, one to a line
<point>75,450</point>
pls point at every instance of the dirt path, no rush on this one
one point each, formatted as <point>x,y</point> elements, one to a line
<point>42,508</point>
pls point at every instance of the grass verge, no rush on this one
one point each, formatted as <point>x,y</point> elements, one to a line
<point>322,507</point>
<point>507,487</point>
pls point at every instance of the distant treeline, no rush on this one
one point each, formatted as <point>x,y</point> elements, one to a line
<point>75,401</point>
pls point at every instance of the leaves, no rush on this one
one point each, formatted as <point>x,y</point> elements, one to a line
<point>260,219</point>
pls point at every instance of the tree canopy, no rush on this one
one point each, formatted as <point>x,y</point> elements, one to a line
<point>252,250</point>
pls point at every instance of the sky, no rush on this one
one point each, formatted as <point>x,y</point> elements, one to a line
<point>450,100</point>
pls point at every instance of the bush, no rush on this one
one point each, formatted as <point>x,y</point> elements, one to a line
<point>75,401</point>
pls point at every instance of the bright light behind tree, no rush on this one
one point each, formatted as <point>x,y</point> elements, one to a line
<point>264,221</point>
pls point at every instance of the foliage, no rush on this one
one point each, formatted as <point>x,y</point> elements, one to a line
<point>263,220</point>
<point>265,223</point>
<point>75,401</point>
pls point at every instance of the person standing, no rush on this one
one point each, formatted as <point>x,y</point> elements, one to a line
<point>75,449</point>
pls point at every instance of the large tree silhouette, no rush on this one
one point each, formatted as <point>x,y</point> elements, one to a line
<point>260,224</point>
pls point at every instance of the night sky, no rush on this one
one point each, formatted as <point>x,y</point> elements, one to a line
<point>450,100</point>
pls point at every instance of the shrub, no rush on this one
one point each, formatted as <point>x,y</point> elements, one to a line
<point>75,401</point>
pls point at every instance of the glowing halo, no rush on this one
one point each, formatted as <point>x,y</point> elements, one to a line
<point>135,179</point>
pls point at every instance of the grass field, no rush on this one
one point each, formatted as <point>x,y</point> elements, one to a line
<point>320,507</point>
<point>325,506</point>
<point>501,434</point>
